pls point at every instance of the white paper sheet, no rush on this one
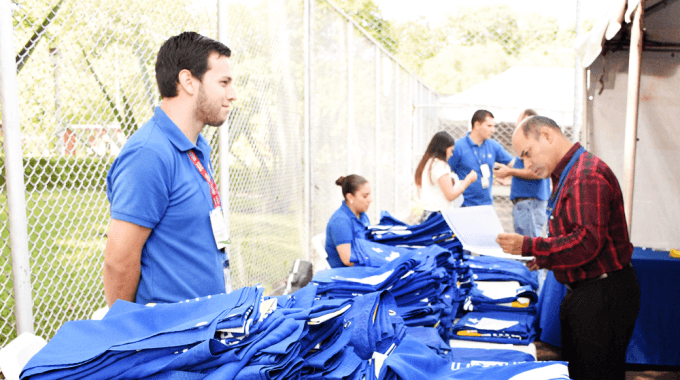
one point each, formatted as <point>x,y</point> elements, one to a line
<point>490,324</point>
<point>498,289</point>
<point>477,228</point>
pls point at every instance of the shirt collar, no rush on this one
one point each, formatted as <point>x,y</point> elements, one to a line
<point>347,210</point>
<point>469,140</point>
<point>557,172</point>
<point>175,135</point>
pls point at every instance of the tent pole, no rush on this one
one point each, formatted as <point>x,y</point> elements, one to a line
<point>632,105</point>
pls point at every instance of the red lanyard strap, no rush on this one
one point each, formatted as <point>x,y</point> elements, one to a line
<point>213,187</point>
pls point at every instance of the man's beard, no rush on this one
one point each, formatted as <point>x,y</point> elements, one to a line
<point>205,114</point>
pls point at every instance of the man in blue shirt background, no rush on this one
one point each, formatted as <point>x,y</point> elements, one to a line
<point>165,205</point>
<point>528,193</point>
<point>478,151</point>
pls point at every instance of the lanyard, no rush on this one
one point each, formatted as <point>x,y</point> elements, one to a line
<point>565,173</point>
<point>213,188</point>
<point>479,148</point>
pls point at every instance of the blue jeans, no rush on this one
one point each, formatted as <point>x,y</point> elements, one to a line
<point>529,217</point>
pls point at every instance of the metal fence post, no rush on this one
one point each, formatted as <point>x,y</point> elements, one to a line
<point>578,82</point>
<point>224,145</point>
<point>396,128</point>
<point>376,178</point>
<point>307,114</point>
<point>14,171</point>
<point>350,95</point>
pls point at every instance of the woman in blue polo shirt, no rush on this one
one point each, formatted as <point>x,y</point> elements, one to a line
<point>349,221</point>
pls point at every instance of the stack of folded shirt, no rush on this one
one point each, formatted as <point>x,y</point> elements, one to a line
<point>488,268</point>
<point>413,360</point>
<point>463,357</point>
<point>434,230</point>
<point>501,296</point>
<point>216,333</point>
<point>241,335</point>
<point>496,327</point>
<point>366,253</point>
<point>423,282</point>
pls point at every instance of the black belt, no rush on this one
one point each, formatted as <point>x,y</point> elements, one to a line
<point>581,283</point>
<point>519,199</point>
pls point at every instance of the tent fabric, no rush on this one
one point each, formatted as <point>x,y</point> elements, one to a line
<point>589,46</point>
<point>655,201</point>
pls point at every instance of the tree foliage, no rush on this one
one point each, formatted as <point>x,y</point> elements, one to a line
<point>472,45</point>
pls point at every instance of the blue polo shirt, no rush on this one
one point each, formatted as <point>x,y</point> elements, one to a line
<point>342,228</point>
<point>154,184</point>
<point>529,188</point>
<point>469,156</point>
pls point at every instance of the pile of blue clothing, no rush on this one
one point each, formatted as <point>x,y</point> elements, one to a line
<point>423,281</point>
<point>500,305</point>
<point>246,335</point>
<point>434,230</point>
<point>241,335</point>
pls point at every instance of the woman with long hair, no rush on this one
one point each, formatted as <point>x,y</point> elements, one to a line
<point>349,221</point>
<point>433,177</point>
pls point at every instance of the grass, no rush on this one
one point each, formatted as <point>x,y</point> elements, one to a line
<point>67,236</point>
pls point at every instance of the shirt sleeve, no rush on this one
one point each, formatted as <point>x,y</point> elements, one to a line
<point>341,231</point>
<point>439,168</point>
<point>137,187</point>
<point>454,160</point>
<point>584,216</point>
<point>502,155</point>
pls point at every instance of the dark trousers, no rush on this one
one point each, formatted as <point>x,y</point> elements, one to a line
<point>597,323</point>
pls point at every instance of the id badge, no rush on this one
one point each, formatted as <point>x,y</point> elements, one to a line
<point>485,182</point>
<point>486,173</point>
<point>219,228</point>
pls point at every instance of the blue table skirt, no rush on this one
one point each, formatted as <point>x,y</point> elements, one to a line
<point>656,338</point>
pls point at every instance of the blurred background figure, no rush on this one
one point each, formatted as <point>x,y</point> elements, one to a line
<point>529,193</point>
<point>437,188</point>
<point>479,152</point>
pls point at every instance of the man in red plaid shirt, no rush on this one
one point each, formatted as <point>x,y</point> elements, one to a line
<point>588,249</point>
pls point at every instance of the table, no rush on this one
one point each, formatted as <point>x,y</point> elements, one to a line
<point>656,338</point>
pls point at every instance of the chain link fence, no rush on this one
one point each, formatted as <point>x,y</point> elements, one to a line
<point>85,74</point>
<point>86,82</point>
<point>364,119</point>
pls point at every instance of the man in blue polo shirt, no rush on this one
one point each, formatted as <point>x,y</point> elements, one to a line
<point>477,151</point>
<point>528,192</point>
<point>167,225</point>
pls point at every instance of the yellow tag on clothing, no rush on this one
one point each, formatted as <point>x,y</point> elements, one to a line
<point>675,253</point>
<point>519,304</point>
<point>468,333</point>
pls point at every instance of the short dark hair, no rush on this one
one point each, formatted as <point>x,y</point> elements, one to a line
<point>185,51</point>
<point>531,126</point>
<point>350,184</point>
<point>529,112</point>
<point>480,116</point>
<point>441,141</point>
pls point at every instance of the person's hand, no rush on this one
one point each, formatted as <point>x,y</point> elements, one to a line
<point>501,171</point>
<point>511,243</point>
<point>471,177</point>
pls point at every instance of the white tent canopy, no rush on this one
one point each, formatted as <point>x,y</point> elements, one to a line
<point>547,90</point>
<point>630,122</point>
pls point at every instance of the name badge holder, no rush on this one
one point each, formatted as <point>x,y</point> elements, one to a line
<point>486,175</point>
